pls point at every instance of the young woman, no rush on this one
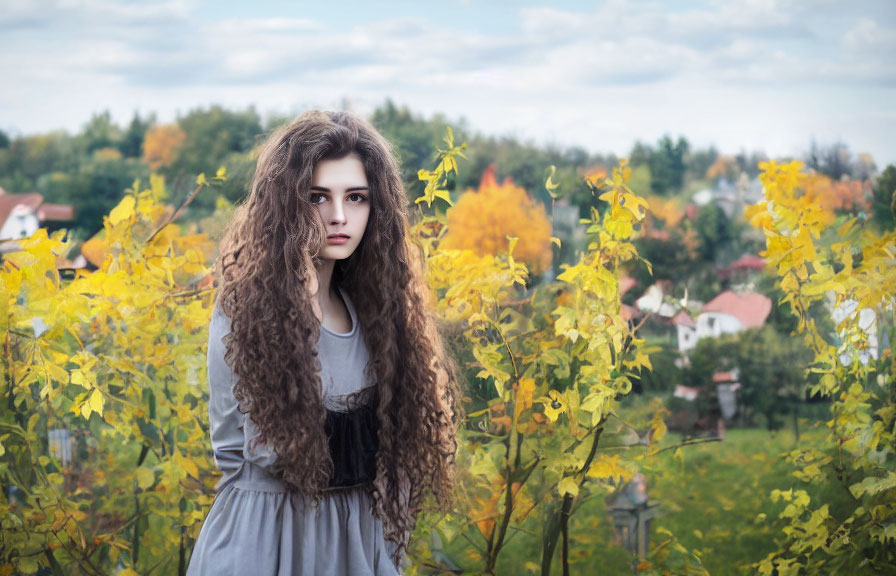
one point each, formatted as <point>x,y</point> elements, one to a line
<point>333,405</point>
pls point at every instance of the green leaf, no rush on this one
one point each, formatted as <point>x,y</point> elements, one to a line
<point>873,485</point>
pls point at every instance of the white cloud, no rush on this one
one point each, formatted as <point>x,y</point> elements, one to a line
<point>735,73</point>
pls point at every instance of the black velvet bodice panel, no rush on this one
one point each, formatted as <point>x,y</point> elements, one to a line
<point>353,442</point>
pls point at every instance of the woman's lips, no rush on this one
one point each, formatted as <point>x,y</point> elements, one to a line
<point>337,239</point>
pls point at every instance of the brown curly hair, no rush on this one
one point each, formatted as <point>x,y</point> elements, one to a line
<point>267,278</point>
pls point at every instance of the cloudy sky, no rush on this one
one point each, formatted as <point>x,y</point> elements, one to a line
<point>740,74</point>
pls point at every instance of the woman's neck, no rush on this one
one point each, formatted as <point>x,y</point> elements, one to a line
<point>330,308</point>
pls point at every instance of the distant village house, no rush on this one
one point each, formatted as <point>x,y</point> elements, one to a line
<point>21,215</point>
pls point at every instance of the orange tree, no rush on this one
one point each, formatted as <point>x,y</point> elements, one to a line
<point>840,513</point>
<point>104,462</point>
<point>162,144</point>
<point>484,218</point>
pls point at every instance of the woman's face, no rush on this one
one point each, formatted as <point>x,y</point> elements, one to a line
<point>340,194</point>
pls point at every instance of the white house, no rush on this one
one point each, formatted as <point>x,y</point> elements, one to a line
<point>727,313</point>
<point>22,214</point>
<point>18,215</point>
<point>859,335</point>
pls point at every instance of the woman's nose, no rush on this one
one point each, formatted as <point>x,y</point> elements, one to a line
<point>337,216</point>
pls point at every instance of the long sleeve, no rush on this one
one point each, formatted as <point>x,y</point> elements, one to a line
<point>225,419</point>
<point>230,428</point>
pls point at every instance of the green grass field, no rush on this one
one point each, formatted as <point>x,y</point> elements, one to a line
<point>709,499</point>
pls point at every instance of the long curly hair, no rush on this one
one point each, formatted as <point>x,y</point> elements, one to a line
<point>266,273</point>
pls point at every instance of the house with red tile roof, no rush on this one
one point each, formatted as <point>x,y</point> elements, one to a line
<point>22,214</point>
<point>728,313</point>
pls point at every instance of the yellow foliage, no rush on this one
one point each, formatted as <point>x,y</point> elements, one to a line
<point>161,145</point>
<point>595,174</point>
<point>609,467</point>
<point>723,167</point>
<point>798,217</point>
<point>107,154</point>
<point>665,210</point>
<point>117,362</point>
<point>483,219</point>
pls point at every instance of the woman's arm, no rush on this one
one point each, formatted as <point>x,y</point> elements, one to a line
<point>225,419</point>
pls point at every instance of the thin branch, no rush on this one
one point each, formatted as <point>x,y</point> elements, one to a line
<point>176,213</point>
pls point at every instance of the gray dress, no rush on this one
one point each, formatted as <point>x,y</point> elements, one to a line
<point>255,527</point>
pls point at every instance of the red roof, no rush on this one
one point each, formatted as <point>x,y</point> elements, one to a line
<point>748,261</point>
<point>57,212</point>
<point>722,377</point>
<point>750,308</point>
<point>683,319</point>
<point>10,201</point>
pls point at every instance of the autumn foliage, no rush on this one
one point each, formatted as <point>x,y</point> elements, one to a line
<point>820,255</point>
<point>547,365</point>
<point>104,458</point>
<point>842,196</point>
<point>161,145</point>
<point>484,218</point>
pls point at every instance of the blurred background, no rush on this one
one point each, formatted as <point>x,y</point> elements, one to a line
<point>695,95</point>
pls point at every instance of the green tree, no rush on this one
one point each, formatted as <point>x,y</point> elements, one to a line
<point>699,161</point>
<point>667,165</point>
<point>213,134</point>
<point>131,144</point>
<point>672,258</point>
<point>413,137</point>
<point>98,186</point>
<point>772,372</point>
<point>640,155</point>
<point>714,231</point>
<point>101,132</point>
<point>834,160</point>
<point>749,162</point>
<point>884,201</point>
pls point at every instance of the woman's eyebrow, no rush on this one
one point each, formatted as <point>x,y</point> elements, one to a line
<point>352,189</point>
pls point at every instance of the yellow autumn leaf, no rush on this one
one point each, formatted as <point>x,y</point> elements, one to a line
<point>96,401</point>
<point>554,405</point>
<point>188,465</point>
<point>145,477</point>
<point>84,409</point>
<point>80,379</point>
<point>609,467</point>
<point>124,211</point>
<point>569,486</point>
<point>523,396</point>
<point>57,373</point>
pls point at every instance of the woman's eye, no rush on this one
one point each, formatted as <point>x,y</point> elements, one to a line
<point>357,197</point>
<point>317,198</point>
